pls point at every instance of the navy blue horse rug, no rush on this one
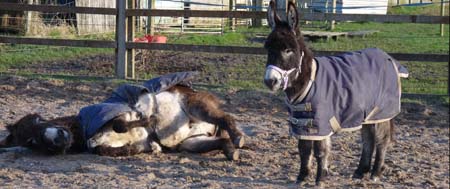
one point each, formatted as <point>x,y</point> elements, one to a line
<point>94,117</point>
<point>346,91</point>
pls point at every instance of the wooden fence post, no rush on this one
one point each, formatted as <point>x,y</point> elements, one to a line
<point>257,6</point>
<point>281,9</point>
<point>150,19</point>
<point>131,26</point>
<point>442,14</point>
<point>120,39</point>
<point>231,20</point>
<point>333,22</point>
<point>28,21</point>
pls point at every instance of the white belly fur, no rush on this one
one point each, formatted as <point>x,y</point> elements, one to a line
<point>173,126</point>
<point>110,138</point>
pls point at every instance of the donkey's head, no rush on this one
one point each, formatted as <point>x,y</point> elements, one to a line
<point>33,131</point>
<point>286,49</point>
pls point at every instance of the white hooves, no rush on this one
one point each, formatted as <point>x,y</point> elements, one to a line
<point>239,142</point>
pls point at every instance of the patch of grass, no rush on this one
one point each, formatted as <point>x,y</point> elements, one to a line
<point>432,10</point>
<point>16,55</point>
<point>73,78</point>
<point>426,77</point>
<point>398,37</point>
<point>392,37</point>
<point>99,36</point>
<point>242,37</point>
<point>442,101</point>
<point>245,84</point>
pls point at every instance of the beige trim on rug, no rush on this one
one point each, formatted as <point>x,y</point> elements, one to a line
<point>335,125</point>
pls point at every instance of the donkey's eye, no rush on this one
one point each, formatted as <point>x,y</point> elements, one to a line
<point>288,51</point>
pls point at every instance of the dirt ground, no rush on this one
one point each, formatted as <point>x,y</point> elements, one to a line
<point>418,159</point>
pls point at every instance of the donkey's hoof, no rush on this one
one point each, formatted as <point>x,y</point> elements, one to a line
<point>320,184</point>
<point>155,147</point>
<point>233,155</point>
<point>358,175</point>
<point>375,177</point>
<point>239,142</point>
<point>302,179</point>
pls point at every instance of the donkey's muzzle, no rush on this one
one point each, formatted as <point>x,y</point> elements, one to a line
<point>273,79</point>
<point>271,83</point>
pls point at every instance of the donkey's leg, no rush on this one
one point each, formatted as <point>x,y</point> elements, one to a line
<point>203,144</point>
<point>205,107</point>
<point>382,141</point>
<point>368,143</point>
<point>322,153</point>
<point>7,142</point>
<point>121,125</point>
<point>305,151</point>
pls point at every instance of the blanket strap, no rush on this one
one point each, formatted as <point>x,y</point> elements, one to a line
<point>300,122</point>
<point>335,124</point>
<point>305,107</point>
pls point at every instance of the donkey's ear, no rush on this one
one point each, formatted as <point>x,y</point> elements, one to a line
<point>292,15</point>
<point>272,17</point>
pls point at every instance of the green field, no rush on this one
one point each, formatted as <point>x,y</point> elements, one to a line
<point>431,10</point>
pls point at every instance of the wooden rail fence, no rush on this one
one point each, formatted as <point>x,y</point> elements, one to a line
<point>125,46</point>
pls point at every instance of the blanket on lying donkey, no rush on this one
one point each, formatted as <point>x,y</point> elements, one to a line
<point>93,117</point>
<point>348,90</point>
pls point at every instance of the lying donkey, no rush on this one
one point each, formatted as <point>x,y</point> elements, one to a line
<point>56,136</point>
<point>173,115</point>
<point>326,95</point>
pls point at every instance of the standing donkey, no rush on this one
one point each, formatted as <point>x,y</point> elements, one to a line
<point>326,95</point>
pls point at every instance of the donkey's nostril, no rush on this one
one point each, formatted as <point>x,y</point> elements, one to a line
<point>60,132</point>
<point>270,82</point>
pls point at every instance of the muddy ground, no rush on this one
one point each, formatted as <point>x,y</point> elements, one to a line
<point>418,159</point>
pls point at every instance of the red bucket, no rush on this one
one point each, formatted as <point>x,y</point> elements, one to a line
<point>156,39</point>
<point>151,39</point>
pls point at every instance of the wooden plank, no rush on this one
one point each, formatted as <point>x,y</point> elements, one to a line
<point>399,56</point>
<point>121,66</point>
<point>227,14</point>
<point>421,57</point>
<point>59,42</point>
<point>56,9</point>
<point>197,48</point>
<point>377,18</point>
<point>304,16</point>
<point>262,51</point>
<point>196,13</point>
